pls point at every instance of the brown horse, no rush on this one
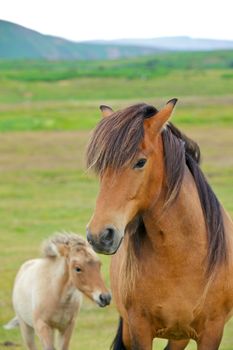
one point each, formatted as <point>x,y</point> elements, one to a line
<point>172,272</point>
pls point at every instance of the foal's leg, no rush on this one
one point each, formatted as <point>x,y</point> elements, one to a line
<point>28,335</point>
<point>45,333</point>
<point>177,344</point>
<point>64,337</point>
<point>211,337</point>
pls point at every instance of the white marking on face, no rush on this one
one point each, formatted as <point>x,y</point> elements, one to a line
<point>96,296</point>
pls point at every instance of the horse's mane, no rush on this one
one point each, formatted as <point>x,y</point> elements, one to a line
<point>50,247</point>
<point>115,143</point>
<point>180,151</point>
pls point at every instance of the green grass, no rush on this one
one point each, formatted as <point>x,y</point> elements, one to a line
<point>30,101</point>
<point>83,115</point>
<point>176,83</point>
<point>73,104</point>
<point>156,65</point>
<point>44,187</point>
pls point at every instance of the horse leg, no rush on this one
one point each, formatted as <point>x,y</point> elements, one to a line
<point>122,337</point>
<point>45,333</point>
<point>140,334</point>
<point>177,344</point>
<point>211,337</point>
<point>64,337</point>
<point>126,335</point>
<point>28,335</point>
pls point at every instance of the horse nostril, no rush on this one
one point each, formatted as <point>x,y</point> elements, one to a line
<point>107,235</point>
<point>105,298</point>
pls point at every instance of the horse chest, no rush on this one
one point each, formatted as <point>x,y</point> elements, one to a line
<point>173,322</point>
<point>171,314</point>
<point>65,310</point>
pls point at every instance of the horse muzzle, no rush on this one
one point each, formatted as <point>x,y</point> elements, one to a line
<point>106,242</point>
<point>102,299</point>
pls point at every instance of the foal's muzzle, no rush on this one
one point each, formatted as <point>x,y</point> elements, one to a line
<point>104,299</point>
<point>107,242</point>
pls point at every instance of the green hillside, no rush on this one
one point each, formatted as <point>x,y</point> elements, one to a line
<point>18,42</point>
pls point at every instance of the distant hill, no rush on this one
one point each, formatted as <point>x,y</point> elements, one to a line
<point>180,43</point>
<point>18,42</point>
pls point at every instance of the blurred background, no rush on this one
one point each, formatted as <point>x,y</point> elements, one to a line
<point>58,63</point>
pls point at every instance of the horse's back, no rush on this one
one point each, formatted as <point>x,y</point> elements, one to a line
<point>27,274</point>
<point>24,286</point>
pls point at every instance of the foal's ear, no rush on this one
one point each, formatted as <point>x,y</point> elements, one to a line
<point>50,249</point>
<point>157,122</point>
<point>63,249</point>
<point>106,111</point>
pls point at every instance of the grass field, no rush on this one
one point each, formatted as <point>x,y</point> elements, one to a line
<point>44,186</point>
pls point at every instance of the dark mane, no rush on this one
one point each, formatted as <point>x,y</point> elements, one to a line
<point>181,151</point>
<point>176,147</point>
<point>115,143</point>
<point>115,140</point>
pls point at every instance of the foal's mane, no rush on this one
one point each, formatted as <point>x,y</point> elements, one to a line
<point>50,247</point>
<point>115,143</point>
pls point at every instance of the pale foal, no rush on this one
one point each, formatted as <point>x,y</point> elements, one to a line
<point>47,292</point>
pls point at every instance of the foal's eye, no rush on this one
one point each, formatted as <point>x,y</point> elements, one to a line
<point>77,269</point>
<point>140,163</point>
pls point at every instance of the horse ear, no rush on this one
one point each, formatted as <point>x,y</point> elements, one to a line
<point>64,249</point>
<point>157,122</point>
<point>50,249</point>
<point>106,111</point>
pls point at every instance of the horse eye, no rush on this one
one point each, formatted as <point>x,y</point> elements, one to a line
<point>77,269</point>
<point>140,163</point>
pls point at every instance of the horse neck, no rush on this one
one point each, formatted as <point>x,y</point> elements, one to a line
<point>178,231</point>
<point>61,277</point>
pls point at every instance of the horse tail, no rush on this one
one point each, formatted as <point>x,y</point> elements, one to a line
<point>117,343</point>
<point>12,323</point>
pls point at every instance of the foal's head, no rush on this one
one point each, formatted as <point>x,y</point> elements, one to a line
<point>126,150</point>
<point>83,265</point>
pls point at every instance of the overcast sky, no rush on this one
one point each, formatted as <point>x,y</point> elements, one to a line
<point>107,19</point>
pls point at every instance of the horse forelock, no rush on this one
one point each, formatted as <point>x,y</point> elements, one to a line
<point>51,246</point>
<point>116,138</point>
